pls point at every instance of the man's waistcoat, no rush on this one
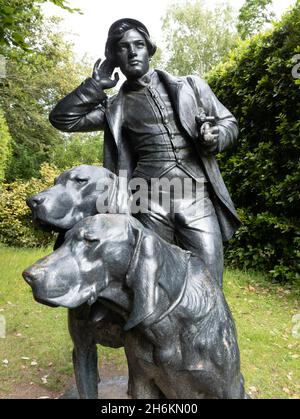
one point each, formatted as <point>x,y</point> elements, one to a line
<point>187,94</point>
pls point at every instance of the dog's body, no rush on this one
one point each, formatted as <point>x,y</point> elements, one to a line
<point>75,196</point>
<point>180,338</point>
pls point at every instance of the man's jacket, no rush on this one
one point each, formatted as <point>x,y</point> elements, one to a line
<point>87,109</point>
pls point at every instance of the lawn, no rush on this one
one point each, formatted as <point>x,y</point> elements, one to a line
<point>37,349</point>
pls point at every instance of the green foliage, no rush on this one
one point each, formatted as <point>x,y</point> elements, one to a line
<point>18,18</point>
<point>5,146</point>
<point>35,82</point>
<point>253,16</point>
<point>16,227</point>
<point>197,37</point>
<point>78,149</point>
<point>263,173</point>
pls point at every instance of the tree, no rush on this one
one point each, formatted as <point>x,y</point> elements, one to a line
<point>18,19</point>
<point>197,37</point>
<point>35,82</point>
<point>5,146</point>
<point>253,16</point>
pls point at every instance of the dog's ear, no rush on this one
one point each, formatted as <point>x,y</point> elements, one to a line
<point>142,278</point>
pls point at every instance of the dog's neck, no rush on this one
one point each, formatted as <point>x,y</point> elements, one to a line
<point>116,299</point>
<point>60,239</point>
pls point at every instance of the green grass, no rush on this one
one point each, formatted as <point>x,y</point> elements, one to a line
<point>263,312</point>
<point>34,331</point>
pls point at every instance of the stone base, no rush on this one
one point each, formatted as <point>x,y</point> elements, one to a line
<point>109,388</point>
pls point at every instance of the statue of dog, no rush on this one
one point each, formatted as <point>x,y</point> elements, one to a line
<point>78,193</point>
<point>180,338</point>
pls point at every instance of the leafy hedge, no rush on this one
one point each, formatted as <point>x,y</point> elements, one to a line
<point>79,148</point>
<point>263,172</point>
<point>16,228</point>
<point>5,145</point>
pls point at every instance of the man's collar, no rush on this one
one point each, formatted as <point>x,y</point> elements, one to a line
<point>142,82</point>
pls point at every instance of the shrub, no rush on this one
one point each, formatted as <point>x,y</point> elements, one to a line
<point>5,146</point>
<point>78,149</point>
<point>16,228</point>
<point>263,174</point>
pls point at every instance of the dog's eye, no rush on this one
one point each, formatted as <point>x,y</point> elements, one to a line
<point>91,239</point>
<point>80,180</point>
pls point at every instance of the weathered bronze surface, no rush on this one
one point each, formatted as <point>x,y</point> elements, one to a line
<point>149,280</point>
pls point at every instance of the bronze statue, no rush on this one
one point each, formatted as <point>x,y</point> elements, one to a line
<point>122,278</point>
<point>160,126</point>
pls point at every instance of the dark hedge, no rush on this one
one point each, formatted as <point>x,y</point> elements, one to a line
<point>262,172</point>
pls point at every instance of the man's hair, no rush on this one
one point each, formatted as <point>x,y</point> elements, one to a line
<point>116,32</point>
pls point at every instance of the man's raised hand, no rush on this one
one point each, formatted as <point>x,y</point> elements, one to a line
<point>102,74</point>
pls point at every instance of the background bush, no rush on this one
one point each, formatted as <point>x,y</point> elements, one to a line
<point>5,146</point>
<point>263,174</point>
<point>16,228</point>
<point>77,149</point>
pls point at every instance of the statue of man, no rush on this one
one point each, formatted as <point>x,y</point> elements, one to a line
<point>153,130</point>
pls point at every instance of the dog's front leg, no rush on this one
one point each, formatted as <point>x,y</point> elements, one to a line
<point>85,368</point>
<point>85,360</point>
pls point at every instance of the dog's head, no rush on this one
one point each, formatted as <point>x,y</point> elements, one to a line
<point>115,258</point>
<point>96,251</point>
<point>73,197</point>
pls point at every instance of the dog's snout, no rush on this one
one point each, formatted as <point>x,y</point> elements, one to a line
<point>31,276</point>
<point>35,200</point>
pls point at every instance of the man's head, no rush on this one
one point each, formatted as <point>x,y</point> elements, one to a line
<point>129,47</point>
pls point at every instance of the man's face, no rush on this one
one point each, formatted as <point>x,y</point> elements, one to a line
<point>133,55</point>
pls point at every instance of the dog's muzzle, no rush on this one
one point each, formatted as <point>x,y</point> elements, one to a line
<point>34,201</point>
<point>31,276</point>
